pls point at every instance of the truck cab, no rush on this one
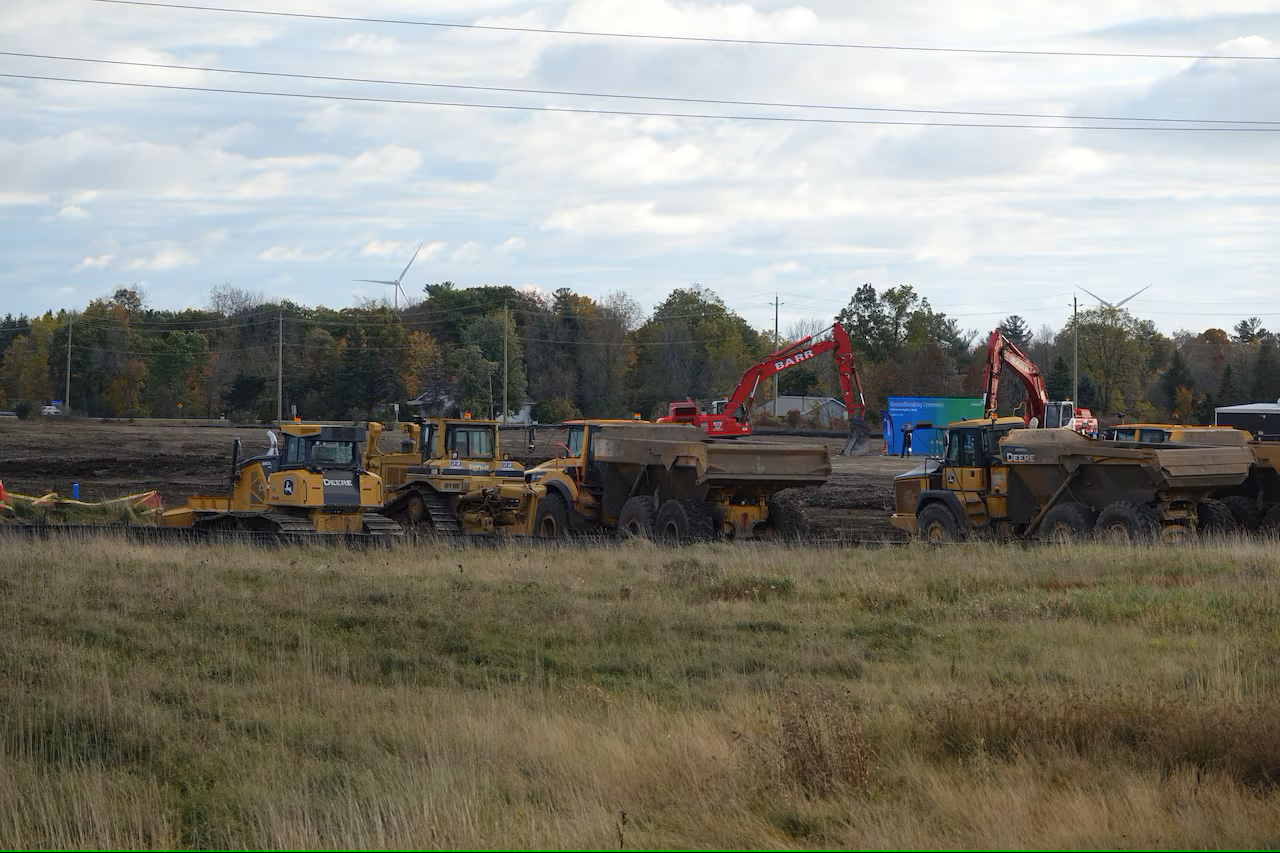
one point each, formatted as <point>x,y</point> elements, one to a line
<point>967,487</point>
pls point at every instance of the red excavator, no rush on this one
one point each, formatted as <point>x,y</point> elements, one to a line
<point>1002,351</point>
<point>732,417</point>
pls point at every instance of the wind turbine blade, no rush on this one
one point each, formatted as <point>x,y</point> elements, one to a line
<point>1097,297</point>
<point>411,260</point>
<point>1126,299</point>
<point>375,281</point>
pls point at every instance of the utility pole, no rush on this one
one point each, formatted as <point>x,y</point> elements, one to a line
<point>1075,370</point>
<point>66,397</point>
<point>280,371</point>
<point>504,362</point>
<point>776,347</point>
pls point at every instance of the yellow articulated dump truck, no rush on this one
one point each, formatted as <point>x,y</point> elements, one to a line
<point>313,485</point>
<point>999,479</point>
<point>671,481</point>
<point>448,476</point>
<point>1251,506</point>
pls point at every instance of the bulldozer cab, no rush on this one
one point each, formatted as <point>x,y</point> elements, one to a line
<point>325,448</point>
<point>469,440</point>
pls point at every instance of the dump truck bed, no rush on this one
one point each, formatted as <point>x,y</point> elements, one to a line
<point>1167,466</point>
<point>714,461</point>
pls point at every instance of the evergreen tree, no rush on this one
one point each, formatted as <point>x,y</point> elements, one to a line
<point>1266,374</point>
<point>1059,384</point>
<point>1178,375</point>
<point>1229,392</point>
<point>1016,329</point>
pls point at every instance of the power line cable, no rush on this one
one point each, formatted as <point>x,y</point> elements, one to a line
<point>697,39</point>
<point>622,96</point>
<point>640,113</point>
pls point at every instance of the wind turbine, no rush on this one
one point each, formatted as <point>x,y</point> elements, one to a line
<point>1108,304</point>
<point>396,284</point>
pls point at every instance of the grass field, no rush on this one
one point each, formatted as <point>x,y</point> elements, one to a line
<point>639,697</point>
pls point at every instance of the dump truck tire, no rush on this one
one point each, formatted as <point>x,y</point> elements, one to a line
<point>936,523</point>
<point>684,520</point>
<point>1214,518</point>
<point>1067,522</point>
<point>1246,511</point>
<point>859,441</point>
<point>1271,522</point>
<point>1128,522</point>
<point>638,517</point>
<point>787,518</point>
<point>552,519</point>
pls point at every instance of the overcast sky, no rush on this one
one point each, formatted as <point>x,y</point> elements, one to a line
<point>178,191</point>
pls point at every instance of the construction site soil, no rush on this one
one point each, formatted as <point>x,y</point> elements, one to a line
<point>111,459</point>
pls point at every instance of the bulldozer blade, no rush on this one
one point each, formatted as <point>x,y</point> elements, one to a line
<point>859,441</point>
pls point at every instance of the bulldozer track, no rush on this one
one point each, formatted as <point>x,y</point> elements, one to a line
<point>443,521</point>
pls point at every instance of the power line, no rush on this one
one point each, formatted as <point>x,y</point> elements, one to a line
<point>641,113</point>
<point>696,39</point>
<point>621,96</point>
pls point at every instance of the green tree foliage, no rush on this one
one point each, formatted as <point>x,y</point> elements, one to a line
<point>1229,392</point>
<point>1176,376</point>
<point>1266,373</point>
<point>692,346</point>
<point>554,410</point>
<point>474,377</point>
<point>1059,383</point>
<point>486,333</point>
<point>1250,330</point>
<point>1016,329</point>
<point>1117,354</point>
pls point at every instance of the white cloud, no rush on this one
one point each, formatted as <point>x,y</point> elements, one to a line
<point>167,258</point>
<point>97,262</point>
<point>194,189</point>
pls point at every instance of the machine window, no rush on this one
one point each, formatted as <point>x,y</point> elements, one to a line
<point>470,442</point>
<point>295,452</point>
<point>575,441</point>
<point>332,453</point>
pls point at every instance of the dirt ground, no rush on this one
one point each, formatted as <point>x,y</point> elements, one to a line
<point>113,459</point>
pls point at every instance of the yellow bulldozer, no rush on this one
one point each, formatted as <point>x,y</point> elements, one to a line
<point>448,476</point>
<point>313,485</point>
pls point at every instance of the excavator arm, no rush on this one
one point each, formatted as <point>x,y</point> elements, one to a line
<point>736,416</point>
<point>1002,352</point>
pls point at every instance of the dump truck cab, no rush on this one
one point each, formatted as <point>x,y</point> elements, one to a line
<point>968,481</point>
<point>450,476</point>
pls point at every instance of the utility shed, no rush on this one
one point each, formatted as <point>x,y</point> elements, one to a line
<point>1261,420</point>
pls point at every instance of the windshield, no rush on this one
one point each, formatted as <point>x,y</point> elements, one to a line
<point>470,442</point>
<point>575,440</point>
<point>338,454</point>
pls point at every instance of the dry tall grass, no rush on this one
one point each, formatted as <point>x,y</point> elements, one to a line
<point>638,697</point>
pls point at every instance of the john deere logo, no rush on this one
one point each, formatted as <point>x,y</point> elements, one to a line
<point>329,482</point>
<point>288,486</point>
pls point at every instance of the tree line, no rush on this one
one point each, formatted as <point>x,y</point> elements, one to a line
<point>575,356</point>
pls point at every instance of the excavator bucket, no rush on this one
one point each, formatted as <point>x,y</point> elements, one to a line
<point>859,441</point>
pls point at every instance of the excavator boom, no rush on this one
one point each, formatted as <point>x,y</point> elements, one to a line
<point>735,418</point>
